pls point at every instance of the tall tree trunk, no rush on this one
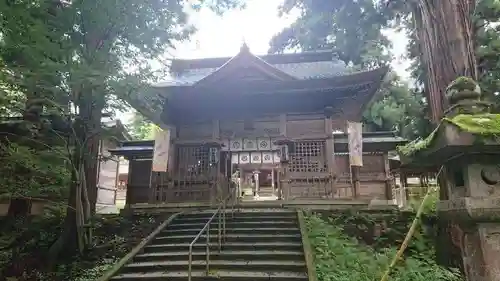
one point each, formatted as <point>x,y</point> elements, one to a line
<point>445,34</point>
<point>446,40</point>
<point>91,112</point>
<point>88,133</point>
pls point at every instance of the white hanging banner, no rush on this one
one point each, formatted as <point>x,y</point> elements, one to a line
<point>161,150</point>
<point>355,138</point>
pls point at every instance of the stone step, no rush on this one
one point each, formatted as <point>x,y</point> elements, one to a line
<point>242,213</point>
<point>219,275</point>
<point>265,194</point>
<point>236,218</point>
<point>236,246</point>
<point>215,265</point>
<point>200,254</point>
<point>231,224</point>
<point>260,210</point>
<point>230,230</point>
<point>229,238</point>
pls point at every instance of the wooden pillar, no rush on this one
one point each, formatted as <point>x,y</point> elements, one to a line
<point>404,193</point>
<point>355,138</point>
<point>128,192</point>
<point>330,148</point>
<point>257,184</point>
<point>172,152</point>
<point>280,186</point>
<point>282,177</point>
<point>355,181</point>
<point>117,175</point>
<point>405,184</point>
<point>272,181</point>
<point>388,182</point>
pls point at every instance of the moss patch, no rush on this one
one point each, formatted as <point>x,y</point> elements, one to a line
<point>413,147</point>
<point>478,124</point>
<point>481,124</point>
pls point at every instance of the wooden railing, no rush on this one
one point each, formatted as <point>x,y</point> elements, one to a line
<point>307,185</point>
<point>192,189</point>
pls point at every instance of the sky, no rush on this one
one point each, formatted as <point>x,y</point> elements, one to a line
<point>256,24</point>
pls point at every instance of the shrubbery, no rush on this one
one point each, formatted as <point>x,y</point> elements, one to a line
<point>28,172</point>
<point>339,257</point>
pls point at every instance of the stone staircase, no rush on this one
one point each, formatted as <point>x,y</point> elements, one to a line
<point>266,191</point>
<point>263,244</point>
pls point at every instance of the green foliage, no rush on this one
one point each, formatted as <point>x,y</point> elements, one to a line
<point>33,173</point>
<point>397,108</point>
<point>412,147</point>
<point>141,128</point>
<point>430,207</point>
<point>487,31</point>
<point>339,257</point>
<point>80,58</point>
<point>353,30</point>
<point>23,246</point>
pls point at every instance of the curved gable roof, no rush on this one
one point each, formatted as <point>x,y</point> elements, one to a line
<point>302,66</point>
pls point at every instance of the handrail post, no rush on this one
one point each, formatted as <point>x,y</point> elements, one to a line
<point>190,261</point>
<point>221,233</point>
<point>219,230</point>
<point>207,249</point>
<point>224,223</point>
<point>235,200</point>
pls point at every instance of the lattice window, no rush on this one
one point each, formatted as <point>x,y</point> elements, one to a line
<point>193,160</point>
<point>308,156</point>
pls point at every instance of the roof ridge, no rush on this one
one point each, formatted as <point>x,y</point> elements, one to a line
<point>178,65</point>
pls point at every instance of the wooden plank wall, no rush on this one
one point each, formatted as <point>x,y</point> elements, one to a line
<point>139,173</point>
<point>372,176</point>
<point>293,126</point>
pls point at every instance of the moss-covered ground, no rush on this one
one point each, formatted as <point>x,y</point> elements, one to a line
<point>338,256</point>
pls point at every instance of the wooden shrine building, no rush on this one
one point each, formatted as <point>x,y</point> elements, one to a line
<point>277,123</point>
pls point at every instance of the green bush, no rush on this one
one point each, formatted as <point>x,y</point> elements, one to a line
<point>27,172</point>
<point>430,205</point>
<point>339,257</point>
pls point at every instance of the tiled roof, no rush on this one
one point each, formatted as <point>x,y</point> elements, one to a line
<point>300,68</point>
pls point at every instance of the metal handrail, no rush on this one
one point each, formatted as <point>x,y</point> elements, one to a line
<point>221,235</point>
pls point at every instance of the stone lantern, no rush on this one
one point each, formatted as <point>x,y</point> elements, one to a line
<point>465,149</point>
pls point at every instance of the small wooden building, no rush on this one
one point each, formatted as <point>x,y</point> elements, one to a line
<point>272,119</point>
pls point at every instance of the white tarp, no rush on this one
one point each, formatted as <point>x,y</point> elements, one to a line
<point>355,138</point>
<point>161,150</point>
<point>107,179</point>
